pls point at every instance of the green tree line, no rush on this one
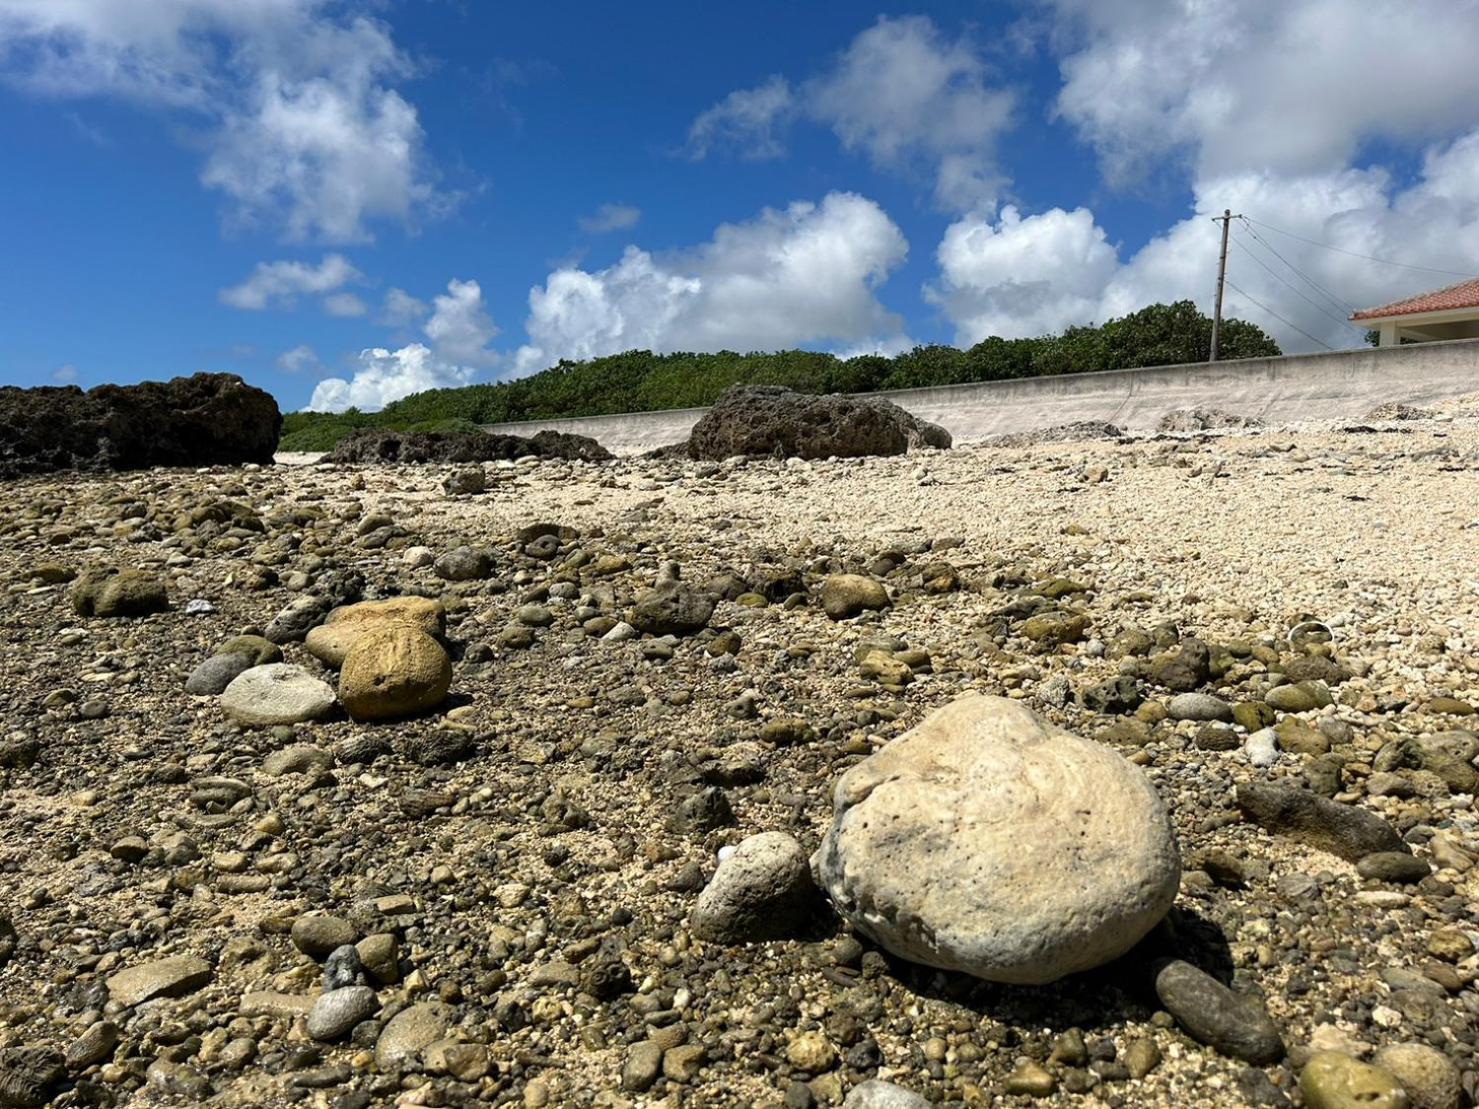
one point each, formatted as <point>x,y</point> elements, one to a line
<point>640,381</point>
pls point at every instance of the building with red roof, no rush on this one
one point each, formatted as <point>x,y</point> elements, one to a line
<point>1448,313</point>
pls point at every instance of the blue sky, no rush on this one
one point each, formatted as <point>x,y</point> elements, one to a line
<point>345,201</point>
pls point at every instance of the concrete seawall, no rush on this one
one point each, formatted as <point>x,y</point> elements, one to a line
<point>1338,385</point>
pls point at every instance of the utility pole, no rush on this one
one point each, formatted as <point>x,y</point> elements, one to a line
<point>1226,220</point>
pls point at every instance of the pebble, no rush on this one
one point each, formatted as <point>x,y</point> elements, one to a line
<point>337,1011</point>
<point>1331,1080</point>
<point>763,890</point>
<point>1212,1014</point>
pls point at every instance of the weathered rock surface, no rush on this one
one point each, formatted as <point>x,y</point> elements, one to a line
<point>671,608</point>
<point>202,420</point>
<point>336,1012</point>
<point>410,1031</point>
<point>1430,1078</point>
<point>772,421</point>
<point>1216,1016</point>
<point>1182,420</point>
<point>118,592</point>
<point>845,595</point>
<point>394,670</point>
<point>989,841</point>
<point>1345,830</point>
<point>1332,1080</point>
<point>278,693</point>
<point>763,891</point>
<point>330,641</point>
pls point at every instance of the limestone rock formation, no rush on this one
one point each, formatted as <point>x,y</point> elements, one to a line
<point>769,420</point>
<point>202,420</point>
<point>385,445</point>
<point>331,640</point>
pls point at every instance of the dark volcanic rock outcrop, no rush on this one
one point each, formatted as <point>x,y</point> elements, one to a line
<point>769,420</point>
<point>383,445</point>
<point>202,420</point>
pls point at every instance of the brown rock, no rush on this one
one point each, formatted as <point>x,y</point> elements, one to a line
<point>331,640</point>
<point>396,670</point>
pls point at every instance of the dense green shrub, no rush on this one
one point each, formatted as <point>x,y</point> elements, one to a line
<point>640,381</point>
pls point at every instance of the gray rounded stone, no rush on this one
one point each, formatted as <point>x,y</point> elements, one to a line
<point>213,675</point>
<point>278,693</point>
<point>408,1032</point>
<point>336,1012</point>
<point>1201,707</point>
<point>1212,1014</point>
<point>989,841</point>
<point>763,891</point>
<point>1429,1077</point>
<point>319,935</point>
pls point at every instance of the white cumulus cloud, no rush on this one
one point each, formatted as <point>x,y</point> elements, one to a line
<point>304,129</point>
<point>401,308</point>
<point>902,92</point>
<point>298,360</point>
<point>747,121</point>
<point>905,93</point>
<point>388,375</point>
<point>280,284</point>
<point>1289,86</point>
<point>344,305</point>
<point>459,330</point>
<point>804,274</point>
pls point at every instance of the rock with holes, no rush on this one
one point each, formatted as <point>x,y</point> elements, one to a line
<point>989,841</point>
<point>770,420</point>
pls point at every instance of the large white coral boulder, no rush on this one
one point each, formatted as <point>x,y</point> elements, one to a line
<point>988,840</point>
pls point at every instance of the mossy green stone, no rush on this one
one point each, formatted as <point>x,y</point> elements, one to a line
<point>1253,715</point>
<point>1331,1080</point>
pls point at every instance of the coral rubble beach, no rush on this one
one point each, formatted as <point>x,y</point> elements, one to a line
<point>477,864</point>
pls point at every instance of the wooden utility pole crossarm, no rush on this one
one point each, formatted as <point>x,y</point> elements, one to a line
<point>1226,220</point>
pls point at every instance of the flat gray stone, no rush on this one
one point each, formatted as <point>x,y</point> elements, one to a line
<point>278,693</point>
<point>409,1032</point>
<point>213,675</point>
<point>172,977</point>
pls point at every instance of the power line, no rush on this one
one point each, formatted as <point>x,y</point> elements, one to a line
<point>1295,289</point>
<point>1342,306</point>
<point>1278,317</point>
<point>1367,257</point>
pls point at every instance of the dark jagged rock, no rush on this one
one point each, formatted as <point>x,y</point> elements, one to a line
<point>202,420</point>
<point>769,420</point>
<point>384,445</point>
